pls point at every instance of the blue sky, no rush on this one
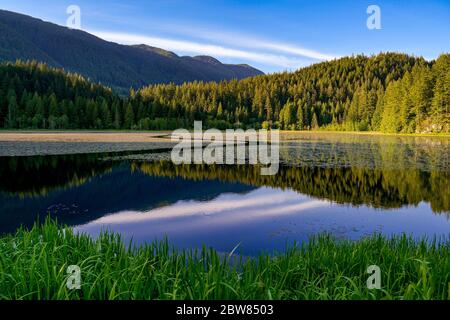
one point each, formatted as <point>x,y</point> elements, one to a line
<point>270,35</point>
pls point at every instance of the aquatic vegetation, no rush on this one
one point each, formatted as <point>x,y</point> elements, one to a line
<point>33,265</point>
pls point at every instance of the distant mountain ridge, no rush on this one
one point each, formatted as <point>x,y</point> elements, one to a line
<point>119,66</point>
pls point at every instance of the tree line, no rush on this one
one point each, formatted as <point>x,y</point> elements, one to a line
<point>388,92</point>
<point>35,96</point>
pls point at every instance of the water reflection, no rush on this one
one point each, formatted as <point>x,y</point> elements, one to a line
<point>380,188</point>
<point>144,198</point>
<point>263,219</point>
<point>115,188</point>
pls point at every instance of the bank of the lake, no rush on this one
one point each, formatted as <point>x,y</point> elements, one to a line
<point>33,265</point>
<point>365,133</point>
<point>88,135</point>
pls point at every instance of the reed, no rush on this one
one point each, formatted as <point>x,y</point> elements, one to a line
<point>33,265</point>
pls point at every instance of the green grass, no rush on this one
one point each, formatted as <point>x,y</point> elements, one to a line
<point>33,265</point>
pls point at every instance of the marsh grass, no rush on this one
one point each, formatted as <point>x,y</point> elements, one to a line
<point>33,265</point>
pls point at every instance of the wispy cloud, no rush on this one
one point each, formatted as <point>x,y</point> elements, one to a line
<point>251,41</point>
<point>193,47</point>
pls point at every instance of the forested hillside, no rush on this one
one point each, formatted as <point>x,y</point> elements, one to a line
<point>120,66</point>
<point>32,95</point>
<point>388,92</point>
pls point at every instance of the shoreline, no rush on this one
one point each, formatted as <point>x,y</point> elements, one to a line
<point>84,136</point>
<point>367,133</point>
<point>116,136</point>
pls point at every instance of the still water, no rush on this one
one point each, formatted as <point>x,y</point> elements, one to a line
<point>351,187</point>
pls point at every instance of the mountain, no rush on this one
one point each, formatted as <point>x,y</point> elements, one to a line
<point>119,66</point>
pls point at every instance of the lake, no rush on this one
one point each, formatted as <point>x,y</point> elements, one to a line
<point>349,185</point>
